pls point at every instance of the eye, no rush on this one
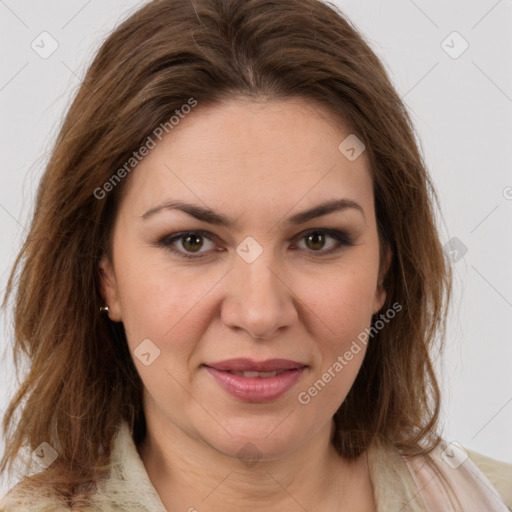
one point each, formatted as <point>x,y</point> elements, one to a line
<point>315,240</point>
<point>192,242</point>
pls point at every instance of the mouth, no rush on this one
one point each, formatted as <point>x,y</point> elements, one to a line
<point>249,365</point>
<point>253,381</point>
<point>256,375</point>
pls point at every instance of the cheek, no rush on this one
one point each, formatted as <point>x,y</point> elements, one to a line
<point>343,301</point>
<point>340,312</point>
<point>159,304</point>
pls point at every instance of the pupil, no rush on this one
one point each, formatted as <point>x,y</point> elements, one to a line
<point>316,238</point>
<point>195,240</point>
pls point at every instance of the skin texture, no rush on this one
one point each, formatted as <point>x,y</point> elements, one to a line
<point>258,163</point>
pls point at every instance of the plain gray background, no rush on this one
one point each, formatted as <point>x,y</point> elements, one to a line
<point>461,104</point>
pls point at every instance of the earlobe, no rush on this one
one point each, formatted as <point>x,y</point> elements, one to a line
<point>380,298</point>
<point>380,294</point>
<point>108,288</point>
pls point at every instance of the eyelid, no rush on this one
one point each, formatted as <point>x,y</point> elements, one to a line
<point>168,240</point>
<point>342,237</point>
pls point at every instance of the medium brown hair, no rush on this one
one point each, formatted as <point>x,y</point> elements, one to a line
<point>81,380</point>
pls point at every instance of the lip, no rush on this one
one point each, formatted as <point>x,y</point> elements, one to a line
<point>256,389</point>
<point>242,364</point>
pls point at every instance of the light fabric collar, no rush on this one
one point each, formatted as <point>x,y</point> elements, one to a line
<point>412,485</point>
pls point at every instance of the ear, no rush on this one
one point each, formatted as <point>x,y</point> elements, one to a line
<point>380,294</point>
<point>109,289</point>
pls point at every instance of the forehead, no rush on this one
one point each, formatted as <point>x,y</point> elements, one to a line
<point>241,154</point>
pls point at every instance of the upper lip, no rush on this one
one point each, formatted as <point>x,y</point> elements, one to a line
<point>248,365</point>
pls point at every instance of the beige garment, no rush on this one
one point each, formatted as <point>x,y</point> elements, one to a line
<point>481,484</point>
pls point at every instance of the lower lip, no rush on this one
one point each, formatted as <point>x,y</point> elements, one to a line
<point>255,389</point>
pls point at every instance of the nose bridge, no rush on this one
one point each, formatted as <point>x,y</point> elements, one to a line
<point>260,279</point>
<point>257,300</point>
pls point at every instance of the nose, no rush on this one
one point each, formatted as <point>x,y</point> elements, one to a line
<point>258,300</point>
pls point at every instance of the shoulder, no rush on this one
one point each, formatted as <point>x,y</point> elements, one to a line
<point>497,472</point>
<point>448,478</point>
<point>25,498</point>
<point>480,480</point>
<point>126,486</point>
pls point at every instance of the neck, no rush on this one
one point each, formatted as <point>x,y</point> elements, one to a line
<point>191,475</point>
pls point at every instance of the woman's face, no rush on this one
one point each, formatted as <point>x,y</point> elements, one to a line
<point>257,279</point>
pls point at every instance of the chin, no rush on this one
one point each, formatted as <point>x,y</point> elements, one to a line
<point>260,439</point>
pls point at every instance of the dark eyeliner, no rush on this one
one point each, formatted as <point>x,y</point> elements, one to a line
<point>343,238</point>
<point>167,241</point>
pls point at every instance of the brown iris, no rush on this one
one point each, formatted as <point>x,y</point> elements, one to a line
<point>317,241</point>
<point>192,242</point>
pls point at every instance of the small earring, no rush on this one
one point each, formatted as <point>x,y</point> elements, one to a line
<point>104,309</point>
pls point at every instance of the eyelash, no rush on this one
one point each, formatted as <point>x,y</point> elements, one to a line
<point>342,237</point>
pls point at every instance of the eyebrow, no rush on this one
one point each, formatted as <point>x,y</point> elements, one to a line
<point>216,218</point>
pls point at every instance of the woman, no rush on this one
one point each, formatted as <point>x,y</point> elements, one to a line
<point>233,281</point>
